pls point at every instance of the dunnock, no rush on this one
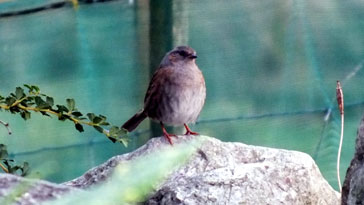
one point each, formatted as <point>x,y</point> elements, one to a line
<point>176,93</point>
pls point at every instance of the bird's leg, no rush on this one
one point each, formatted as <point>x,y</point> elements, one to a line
<point>165,133</point>
<point>188,131</point>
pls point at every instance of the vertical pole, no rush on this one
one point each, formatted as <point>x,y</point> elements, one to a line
<point>141,23</point>
<point>160,39</point>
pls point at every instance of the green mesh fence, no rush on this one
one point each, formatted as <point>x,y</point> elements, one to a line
<point>270,68</point>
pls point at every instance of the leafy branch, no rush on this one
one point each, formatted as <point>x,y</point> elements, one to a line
<point>7,166</point>
<point>23,103</point>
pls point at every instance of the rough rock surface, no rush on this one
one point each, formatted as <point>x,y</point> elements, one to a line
<point>353,187</point>
<point>230,173</point>
<point>18,190</point>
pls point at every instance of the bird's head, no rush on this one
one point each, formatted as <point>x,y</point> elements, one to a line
<point>180,54</point>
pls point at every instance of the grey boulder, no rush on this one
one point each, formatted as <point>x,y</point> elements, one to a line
<point>230,173</point>
<point>19,190</point>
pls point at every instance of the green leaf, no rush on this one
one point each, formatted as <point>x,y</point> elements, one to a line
<point>13,169</point>
<point>25,115</point>
<point>7,164</point>
<point>124,141</point>
<point>61,108</point>
<point>29,87</point>
<point>97,120</point>
<point>102,117</point>
<point>79,127</point>
<point>91,116</point>
<point>117,134</point>
<point>50,101</point>
<point>71,104</point>
<point>100,129</point>
<point>62,117</point>
<point>113,130</point>
<point>3,152</point>
<point>10,100</point>
<point>41,104</point>
<point>36,88</point>
<point>19,93</point>
<point>45,113</point>
<point>77,114</point>
<point>25,169</point>
<point>101,120</point>
<point>39,101</point>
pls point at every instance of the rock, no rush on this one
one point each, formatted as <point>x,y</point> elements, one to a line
<point>19,190</point>
<point>230,173</point>
<point>353,187</point>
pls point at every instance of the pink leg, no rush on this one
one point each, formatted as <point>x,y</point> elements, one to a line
<point>189,132</point>
<point>165,133</point>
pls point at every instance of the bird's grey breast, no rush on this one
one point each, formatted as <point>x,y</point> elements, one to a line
<point>184,96</point>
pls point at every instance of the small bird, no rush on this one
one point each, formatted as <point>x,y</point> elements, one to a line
<point>176,93</point>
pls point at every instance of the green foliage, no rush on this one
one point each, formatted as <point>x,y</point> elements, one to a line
<point>28,99</point>
<point>32,100</point>
<point>22,170</point>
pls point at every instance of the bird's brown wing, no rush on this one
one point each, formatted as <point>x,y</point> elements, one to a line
<point>153,94</point>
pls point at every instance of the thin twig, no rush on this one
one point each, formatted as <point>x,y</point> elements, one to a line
<point>49,111</point>
<point>6,126</point>
<point>340,102</point>
<point>4,168</point>
<point>74,120</point>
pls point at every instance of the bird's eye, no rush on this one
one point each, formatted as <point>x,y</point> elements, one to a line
<point>183,53</point>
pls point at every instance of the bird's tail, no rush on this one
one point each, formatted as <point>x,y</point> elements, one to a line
<point>134,121</point>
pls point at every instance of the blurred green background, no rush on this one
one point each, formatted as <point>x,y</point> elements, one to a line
<point>270,68</point>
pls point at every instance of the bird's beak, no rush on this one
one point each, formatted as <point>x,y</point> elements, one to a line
<point>193,56</point>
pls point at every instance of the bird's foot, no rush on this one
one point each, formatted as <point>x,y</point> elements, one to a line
<point>189,132</point>
<point>167,135</point>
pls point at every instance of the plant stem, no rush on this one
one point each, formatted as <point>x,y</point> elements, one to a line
<point>18,101</point>
<point>57,114</point>
<point>340,102</point>
<point>76,121</point>
<point>38,110</point>
<point>339,151</point>
<point>4,168</point>
<point>7,126</point>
